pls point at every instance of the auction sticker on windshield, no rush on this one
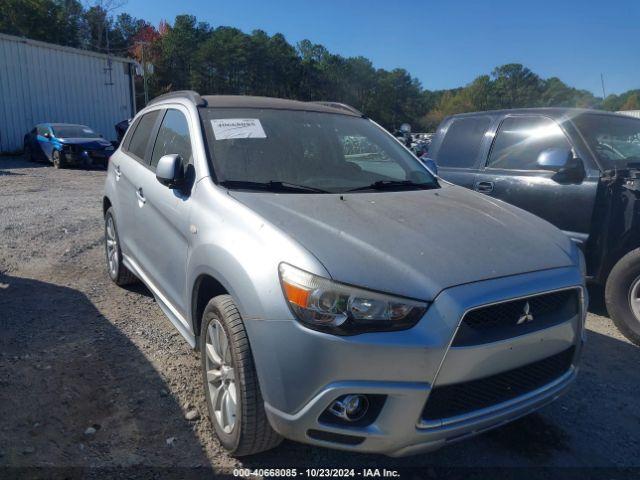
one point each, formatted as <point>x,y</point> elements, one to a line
<point>232,128</point>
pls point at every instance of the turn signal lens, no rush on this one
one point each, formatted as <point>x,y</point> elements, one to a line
<point>333,307</point>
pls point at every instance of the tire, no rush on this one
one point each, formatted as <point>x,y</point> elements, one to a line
<point>28,154</point>
<point>248,431</point>
<point>58,159</point>
<point>120,274</point>
<point>622,286</point>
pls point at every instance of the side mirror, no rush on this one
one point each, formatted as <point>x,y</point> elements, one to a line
<point>170,171</point>
<point>431,165</point>
<point>554,159</point>
<point>563,163</point>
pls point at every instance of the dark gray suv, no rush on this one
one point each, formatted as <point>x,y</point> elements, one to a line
<point>578,169</point>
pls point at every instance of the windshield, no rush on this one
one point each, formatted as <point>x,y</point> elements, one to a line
<point>73,131</point>
<point>614,140</point>
<point>294,151</point>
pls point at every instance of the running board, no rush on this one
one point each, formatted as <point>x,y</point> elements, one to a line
<point>169,310</point>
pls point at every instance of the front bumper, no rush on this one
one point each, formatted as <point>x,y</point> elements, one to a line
<point>87,157</point>
<point>302,372</point>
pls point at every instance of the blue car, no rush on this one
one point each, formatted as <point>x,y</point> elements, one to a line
<point>65,144</point>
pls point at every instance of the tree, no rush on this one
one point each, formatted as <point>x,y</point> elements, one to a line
<point>632,103</point>
<point>178,47</point>
<point>220,65</point>
<point>516,86</point>
<point>125,32</point>
<point>97,25</point>
<point>47,20</point>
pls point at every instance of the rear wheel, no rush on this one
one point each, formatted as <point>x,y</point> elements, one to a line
<point>120,274</point>
<point>234,400</point>
<point>622,295</point>
<point>58,159</point>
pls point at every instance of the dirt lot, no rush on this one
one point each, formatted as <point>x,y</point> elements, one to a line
<point>92,375</point>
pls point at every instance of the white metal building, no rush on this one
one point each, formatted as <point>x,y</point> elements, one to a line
<point>42,82</point>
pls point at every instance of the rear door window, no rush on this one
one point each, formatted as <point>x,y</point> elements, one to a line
<point>460,146</point>
<point>520,140</point>
<point>140,138</point>
<point>173,138</point>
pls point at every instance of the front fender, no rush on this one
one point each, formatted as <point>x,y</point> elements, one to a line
<point>230,273</point>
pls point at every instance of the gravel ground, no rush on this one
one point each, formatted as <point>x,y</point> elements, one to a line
<point>93,375</point>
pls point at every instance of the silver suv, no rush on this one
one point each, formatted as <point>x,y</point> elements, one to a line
<point>339,293</point>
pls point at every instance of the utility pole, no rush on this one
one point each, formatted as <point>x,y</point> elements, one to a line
<point>604,95</point>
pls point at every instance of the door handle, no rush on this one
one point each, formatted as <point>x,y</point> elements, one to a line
<point>484,187</point>
<point>141,199</point>
<point>118,172</point>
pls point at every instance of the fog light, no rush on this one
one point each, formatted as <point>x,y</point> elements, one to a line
<point>350,407</point>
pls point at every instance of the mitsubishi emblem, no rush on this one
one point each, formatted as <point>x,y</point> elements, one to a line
<point>526,315</point>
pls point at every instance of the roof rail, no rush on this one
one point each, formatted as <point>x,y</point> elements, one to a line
<point>188,94</point>
<point>340,106</point>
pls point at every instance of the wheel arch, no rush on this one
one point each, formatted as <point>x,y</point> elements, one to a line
<point>628,243</point>
<point>205,287</point>
<point>106,204</point>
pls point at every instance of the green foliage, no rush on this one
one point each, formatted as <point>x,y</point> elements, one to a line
<point>509,86</point>
<point>55,21</point>
<point>626,101</point>
<point>194,55</point>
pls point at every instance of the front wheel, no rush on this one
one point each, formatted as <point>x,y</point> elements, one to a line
<point>234,400</point>
<point>622,295</point>
<point>58,159</point>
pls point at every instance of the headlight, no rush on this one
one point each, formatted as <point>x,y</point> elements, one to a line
<point>328,306</point>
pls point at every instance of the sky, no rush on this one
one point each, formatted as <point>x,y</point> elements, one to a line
<point>446,44</point>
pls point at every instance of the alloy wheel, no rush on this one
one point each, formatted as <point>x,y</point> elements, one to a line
<point>221,380</point>
<point>112,247</point>
<point>634,298</point>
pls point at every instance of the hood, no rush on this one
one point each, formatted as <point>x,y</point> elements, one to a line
<point>91,143</point>
<point>414,243</point>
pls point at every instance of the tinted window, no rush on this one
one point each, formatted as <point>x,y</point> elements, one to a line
<point>460,146</point>
<point>140,138</point>
<point>173,138</point>
<point>520,140</point>
<point>73,131</point>
<point>42,129</point>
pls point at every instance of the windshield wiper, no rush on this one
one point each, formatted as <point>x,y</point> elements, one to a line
<point>271,185</point>
<point>395,184</point>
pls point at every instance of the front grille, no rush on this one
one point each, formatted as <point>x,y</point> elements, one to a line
<point>517,317</point>
<point>453,400</point>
